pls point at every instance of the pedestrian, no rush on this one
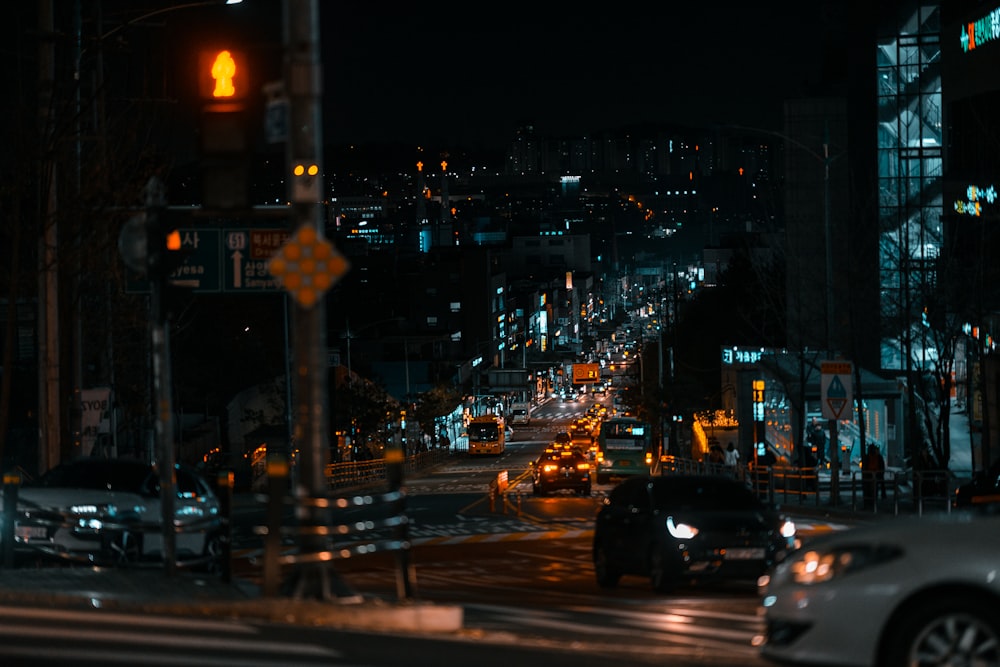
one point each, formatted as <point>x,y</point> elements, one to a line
<point>874,470</point>
<point>732,456</point>
<point>716,455</point>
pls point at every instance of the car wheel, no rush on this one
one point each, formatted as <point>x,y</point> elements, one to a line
<point>126,548</point>
<point>585,491</point>
<point>607,575</point>
<point>945,631</point>
<point>660,577</point>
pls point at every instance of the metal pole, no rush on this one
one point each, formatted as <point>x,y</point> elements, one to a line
<point>303,79</point>
<point>828,234</point>
<point>162,382</point>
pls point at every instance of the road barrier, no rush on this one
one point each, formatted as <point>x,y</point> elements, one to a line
<point>348,526</point>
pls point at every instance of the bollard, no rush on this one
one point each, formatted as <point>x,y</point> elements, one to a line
<point>225,485</point>
<point>394,465</point>
<point>11,484</point>
<point>277,483</point>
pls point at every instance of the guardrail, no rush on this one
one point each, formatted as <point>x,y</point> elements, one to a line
<point>373,471</point>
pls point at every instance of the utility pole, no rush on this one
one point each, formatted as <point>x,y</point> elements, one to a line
<point>49,385</point>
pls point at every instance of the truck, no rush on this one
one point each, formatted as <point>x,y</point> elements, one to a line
<point>520,412</point>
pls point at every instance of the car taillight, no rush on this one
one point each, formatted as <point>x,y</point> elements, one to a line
<point>548,467</point>
<point>583,466</point>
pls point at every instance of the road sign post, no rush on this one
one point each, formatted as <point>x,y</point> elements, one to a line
<point>836,400</point>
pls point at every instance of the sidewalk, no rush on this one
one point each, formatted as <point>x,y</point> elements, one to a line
<point>187,594</point>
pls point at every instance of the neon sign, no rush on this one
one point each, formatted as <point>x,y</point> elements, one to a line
<point>982,30</point>
<point>973,202</point>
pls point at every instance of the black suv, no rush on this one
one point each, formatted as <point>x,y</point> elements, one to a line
<point>679,528</point>
<point>561,469</point>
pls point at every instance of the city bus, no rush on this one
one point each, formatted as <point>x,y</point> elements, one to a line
<point>624,447</point>
<point>486,435</point>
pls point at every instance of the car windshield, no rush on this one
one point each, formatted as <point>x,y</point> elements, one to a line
<point>702,493</point>
<point>102,474</point>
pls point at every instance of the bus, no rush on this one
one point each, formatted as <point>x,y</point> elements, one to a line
<point>624,447</point>
<point>486,435</point>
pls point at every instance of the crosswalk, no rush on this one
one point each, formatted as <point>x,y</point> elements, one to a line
<point>90,637</point>
<point>676,630</point>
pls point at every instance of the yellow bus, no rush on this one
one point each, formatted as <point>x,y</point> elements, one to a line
<point>486,435</point>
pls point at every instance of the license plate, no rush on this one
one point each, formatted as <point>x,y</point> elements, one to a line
<point>31,532</point>
<point>744,553</point>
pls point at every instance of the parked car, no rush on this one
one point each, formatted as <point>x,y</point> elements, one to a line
<point>561,469</point>
<point>108,511</point>
<point>683,528</point>
<point>982,489</point>
<point>910,591</point>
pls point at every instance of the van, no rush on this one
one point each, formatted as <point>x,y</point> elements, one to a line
<point>520,413</point>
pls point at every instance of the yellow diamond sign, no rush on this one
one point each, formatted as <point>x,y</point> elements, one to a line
<point>307,266</point>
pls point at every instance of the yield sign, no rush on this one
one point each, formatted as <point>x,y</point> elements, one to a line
<point>835,389</point>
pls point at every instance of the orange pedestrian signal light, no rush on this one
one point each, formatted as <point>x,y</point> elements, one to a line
<point>224,72</point>
<point>174,240</point>
<point>222,75</point>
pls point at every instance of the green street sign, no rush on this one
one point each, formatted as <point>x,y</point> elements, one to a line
<point>245,258</point>
<point>226,260</point>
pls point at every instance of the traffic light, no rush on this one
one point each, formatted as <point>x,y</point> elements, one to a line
<point>151,245</point>
<point>224,84</point>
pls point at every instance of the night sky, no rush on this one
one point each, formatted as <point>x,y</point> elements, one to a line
<point>423,74</point>
<point>467,74</point>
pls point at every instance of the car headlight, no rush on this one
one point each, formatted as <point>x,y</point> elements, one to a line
<point>816,567</point>
<point>90,510</point>
<point>681,531</point>
<point>788,529</point>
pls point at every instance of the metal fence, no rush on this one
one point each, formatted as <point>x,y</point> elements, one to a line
<point>891,491</point>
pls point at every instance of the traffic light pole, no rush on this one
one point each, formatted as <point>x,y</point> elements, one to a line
<point>311,430</point>
<point>160,336</point>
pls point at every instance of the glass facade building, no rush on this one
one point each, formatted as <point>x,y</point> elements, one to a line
<point>910,171</point>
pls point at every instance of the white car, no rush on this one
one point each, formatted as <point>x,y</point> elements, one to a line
<point>108,511</point>
<point>911,591</point>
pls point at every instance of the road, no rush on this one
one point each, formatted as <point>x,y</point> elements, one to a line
<point>520,571</point>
